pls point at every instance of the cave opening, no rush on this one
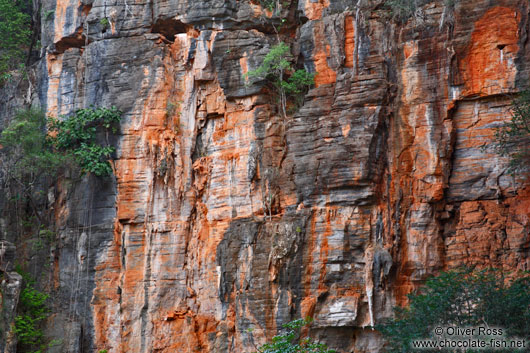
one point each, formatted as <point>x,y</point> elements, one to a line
<point>169,28</point>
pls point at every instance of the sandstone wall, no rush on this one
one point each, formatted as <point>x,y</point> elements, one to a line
<point>378,181</point>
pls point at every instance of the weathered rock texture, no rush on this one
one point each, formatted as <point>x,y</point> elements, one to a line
<point>377,182</point>
<point>10,286</point>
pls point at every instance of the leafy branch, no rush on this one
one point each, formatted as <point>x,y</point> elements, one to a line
<point>76,135</point>
<point>466,298</point>
<point>513,138</point>
<point>15,36</point>
<point>292,341</point>
<point>32,311</point>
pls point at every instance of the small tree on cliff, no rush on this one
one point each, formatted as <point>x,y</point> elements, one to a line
<point>15,35</point>
<point>402,10</point>
<point>292,341</point>
<point>461,298</point>
<point>277,69</point>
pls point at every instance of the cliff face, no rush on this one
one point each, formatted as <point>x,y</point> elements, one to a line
<point>377,182</point>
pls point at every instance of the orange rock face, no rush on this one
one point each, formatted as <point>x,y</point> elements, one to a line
<point>489,66</point>
<point>225,220</point>
<point>349,41</point>
<point>324,74</point>
<point>313,9</point>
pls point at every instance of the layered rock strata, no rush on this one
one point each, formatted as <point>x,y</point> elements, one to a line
<point>224,220</point>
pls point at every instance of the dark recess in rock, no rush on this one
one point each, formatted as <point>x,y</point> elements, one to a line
<point>77,41</point>
<point>169,28</point>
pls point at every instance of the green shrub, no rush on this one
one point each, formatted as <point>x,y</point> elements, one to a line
<point>104,22</point>
<point>292,342</point>
<point>277,69</point>
<point>172,108</point>
<point>15,36</point>
<point>401,10</point>
<point>463,298</point>
<point>268,4</point>
<point>48,15</point>
<point>513,138</point>
<point>26,150</point>
<point>32,310</point>
<point>76,135</point>
<point>275,5</point>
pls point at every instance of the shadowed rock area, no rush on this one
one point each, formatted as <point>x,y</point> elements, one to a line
<point>378,181</point>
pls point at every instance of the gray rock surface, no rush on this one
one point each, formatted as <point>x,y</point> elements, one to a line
<point>224,220</point>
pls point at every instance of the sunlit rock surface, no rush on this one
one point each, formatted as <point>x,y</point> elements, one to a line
<point>378,181</point>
